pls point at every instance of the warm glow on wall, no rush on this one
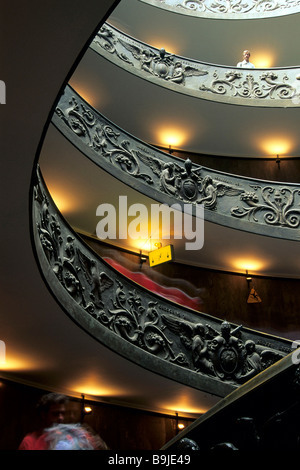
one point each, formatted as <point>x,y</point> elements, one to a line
<point>97,391</point>
<point>276,146</point>
<point>183,409</point>
<point>62,200</point>
<point>182,405</point>
<point>17,363</point>
<point>86,96</point>
<point>144,245</point>
<point>85,93</point>
<point>262,60</point>
<point>171,136</point>
<point>17,360</point>
<point>92,386</point>
<point>162,43</point>
<point>248,264</point>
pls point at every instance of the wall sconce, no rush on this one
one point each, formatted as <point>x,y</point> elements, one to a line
<point>179,426</point>
<point>253,297</point>
<point>143,259</point>
<point>248,278</point>
<point>85,409</point>
<point>278,161</point>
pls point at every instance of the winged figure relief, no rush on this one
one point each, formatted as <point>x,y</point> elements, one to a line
<point>143,55</point>
<point>223,353</point>
<point>168,173</point>
<point>162,64</point>
<point>193,337</point>
<point>180,72</point>
<point>212,189</point>
<point>179,181</point>
<point>186,183</point>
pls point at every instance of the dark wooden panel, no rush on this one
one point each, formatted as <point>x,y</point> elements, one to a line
<point>121,428</point>
<point>262,168</point>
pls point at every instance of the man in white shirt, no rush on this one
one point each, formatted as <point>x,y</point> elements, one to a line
<point>245,62</point>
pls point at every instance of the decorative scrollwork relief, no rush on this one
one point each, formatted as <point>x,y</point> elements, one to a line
<point>170,333</point>
<point>280,206</point>
<point>273,87</point>
<point>239,9</point>
<point>103,138</point>
<point>223,354</point>
<point>227,199</point>
<point>155,62</point>
<point>179,179</point>
<point>249,87</point>
<point>187,184</point>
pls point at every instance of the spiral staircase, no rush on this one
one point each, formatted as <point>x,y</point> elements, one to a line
<point>98,332</point>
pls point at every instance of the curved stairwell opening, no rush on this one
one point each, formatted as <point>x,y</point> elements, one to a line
<point>236,364</point>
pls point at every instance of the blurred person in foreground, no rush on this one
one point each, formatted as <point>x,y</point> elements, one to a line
<point>73,437</point>
<point>51,410</point>
<point>54,434</point>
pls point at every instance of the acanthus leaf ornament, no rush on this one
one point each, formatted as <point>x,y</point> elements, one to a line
<point>249,87</point>
<point>158,63</point>
<point>101,137</point>
<point>278,205</point>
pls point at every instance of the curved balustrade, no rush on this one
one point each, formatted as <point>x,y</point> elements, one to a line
<point>229,9</point>
<point>182,344</point>
<point>262,415</point>
<point>257,206</point>
<point>276,87</point>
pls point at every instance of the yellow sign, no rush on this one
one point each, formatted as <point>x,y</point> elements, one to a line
<point>161,255</point>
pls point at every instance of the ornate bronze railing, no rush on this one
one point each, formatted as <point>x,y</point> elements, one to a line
<point>257,206</point>
<point>229,9</point>
<point>190,347</point>
<point>275,87</point>
<point>262,415</point>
